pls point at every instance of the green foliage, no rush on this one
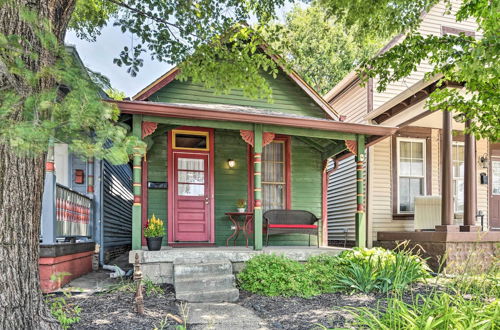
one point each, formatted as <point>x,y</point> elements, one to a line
<point>472,62</point>
<point>210,39</point>
<point>440,310</point>
<point>115,94</point>
<point>56,102</point>
<point>359,270</point>
<point>241,203</point>
<point>65,313</point>
<point>380,270</point>
<point>320,48</point>
<point>126,285</point>
<point>273,275</point>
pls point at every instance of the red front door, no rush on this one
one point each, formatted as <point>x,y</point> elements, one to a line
<point>191,206</point>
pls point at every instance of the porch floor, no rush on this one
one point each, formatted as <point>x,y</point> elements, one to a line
<point>233,253</point>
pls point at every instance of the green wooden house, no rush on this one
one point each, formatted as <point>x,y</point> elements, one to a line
<point>206,151</point>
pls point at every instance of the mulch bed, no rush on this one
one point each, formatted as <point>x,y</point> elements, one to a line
<point>116,310</point>
<point>330,310</point>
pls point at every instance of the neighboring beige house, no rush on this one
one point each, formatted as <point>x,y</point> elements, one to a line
<point>408,164</point>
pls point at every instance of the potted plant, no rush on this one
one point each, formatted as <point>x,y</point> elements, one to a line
<point>240,205</point>
<point>153,232</point>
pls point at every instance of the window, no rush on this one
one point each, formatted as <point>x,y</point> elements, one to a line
<point>458,176</point>
<point>411,172</point>
<point>190,140</point>
<point>274,176</point>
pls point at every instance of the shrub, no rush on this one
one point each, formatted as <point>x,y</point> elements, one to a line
<point>381,270</point>
<point>439,310</point>
<point>324,271</point>
<point>273,275</point>
<point>362,270</point>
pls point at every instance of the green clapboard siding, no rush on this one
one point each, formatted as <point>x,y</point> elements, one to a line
<point>287,97</point>
<point>232,184</point>
<point>157,171</point>
<point>306,189</point>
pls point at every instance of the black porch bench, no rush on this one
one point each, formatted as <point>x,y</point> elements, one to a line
<point>290,221</point>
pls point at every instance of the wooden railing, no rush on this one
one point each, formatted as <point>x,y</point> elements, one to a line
<point>73,212</point>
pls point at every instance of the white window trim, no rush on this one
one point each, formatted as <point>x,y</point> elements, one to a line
<point>456,143</point>
<point>424,159</point>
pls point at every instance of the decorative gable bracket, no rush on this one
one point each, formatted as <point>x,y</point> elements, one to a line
<point>247,136</point>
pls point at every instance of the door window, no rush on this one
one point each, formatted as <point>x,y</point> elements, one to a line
<point>495,177</point>
<point>190,177</point>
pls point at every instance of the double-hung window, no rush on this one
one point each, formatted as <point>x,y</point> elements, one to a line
<point>411,172</point>
<point>458,176</point>
<point>274,176</point>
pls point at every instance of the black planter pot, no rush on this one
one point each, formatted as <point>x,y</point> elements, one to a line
<point>154,243</point>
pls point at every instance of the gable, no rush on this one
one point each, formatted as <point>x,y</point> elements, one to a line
<point>287,97</point>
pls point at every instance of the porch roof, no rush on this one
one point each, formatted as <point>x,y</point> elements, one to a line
<point>224,112</point>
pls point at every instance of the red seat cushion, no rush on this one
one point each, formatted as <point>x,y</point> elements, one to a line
<point>293,226</point>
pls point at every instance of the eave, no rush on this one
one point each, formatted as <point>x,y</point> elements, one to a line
<point>198,113</point>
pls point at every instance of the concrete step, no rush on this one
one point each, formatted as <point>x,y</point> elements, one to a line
<point>227,295</point>
<point>202,269</point>
<point>196,283</point>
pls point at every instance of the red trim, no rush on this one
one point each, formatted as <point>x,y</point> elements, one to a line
<point>170,180</point>
<point>198,112</point>
<point>293,226</point>
<point>324,202</point>
<point>148,128</point>
<point>144,197</point>
<point>288,172</point>
<point>156,85</point>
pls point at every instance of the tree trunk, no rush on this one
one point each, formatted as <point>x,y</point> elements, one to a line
<point>22,181</point>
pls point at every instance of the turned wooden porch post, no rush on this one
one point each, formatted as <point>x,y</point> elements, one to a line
<point>360,192</point>
<point>137,176</point>
<point>257,184</point>
<point>447,213</point>
<point>470,183</point>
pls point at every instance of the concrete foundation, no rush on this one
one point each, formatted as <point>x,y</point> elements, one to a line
<point>450,252</point>
<point>72,258</point>
<point>158,265</point>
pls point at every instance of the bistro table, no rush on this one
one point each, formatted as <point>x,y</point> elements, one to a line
<point>241,222</point>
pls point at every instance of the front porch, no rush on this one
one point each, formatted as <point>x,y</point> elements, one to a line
<point>158,265</point>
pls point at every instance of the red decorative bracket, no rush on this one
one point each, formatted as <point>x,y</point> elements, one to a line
<point>148,128</point>
<point>267,138</point>
<point>352,146</point>
<point>248,137</point>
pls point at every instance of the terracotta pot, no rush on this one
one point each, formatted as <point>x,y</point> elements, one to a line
<point>154,243</point>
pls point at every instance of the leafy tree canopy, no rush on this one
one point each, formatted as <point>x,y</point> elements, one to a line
<point>472,62</point>
<point>322,49</point>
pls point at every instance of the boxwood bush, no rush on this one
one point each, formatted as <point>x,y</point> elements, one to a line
<point>357,270</point>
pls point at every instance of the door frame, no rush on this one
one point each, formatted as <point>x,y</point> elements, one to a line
<point>170,180</point>
<point>494,152</point>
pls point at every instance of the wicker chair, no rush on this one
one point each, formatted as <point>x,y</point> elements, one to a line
<point>290,221</point>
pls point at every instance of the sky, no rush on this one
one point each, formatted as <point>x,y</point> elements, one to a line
<point>98,56</point>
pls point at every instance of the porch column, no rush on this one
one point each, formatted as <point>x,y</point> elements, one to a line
<point>447,213</point>
<point>470,182</point>
<point>360,192</point>
<point>48,223</point>
<point>257,183</point>
<point>137,174</point>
